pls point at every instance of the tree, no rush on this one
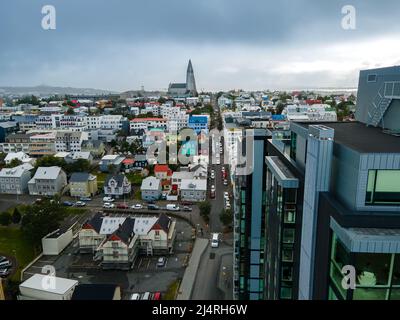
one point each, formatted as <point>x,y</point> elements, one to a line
<point>80,165</point>
<point>14,163</point>
<point>70,111</point>
<point>205,208</point>
<point>16,216</point>
<point>226,217</point>
<point>5,218</point>
<point>41,219</point>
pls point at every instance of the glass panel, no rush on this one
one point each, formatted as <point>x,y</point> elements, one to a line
<point>395,294</point>
<point>372,269</point>
<point>288,236</point>
<point>396,271</point>
<point>287,273</point>
<point>369,294</point>
<point>337,277</point>
<point>286,293</point>
<point>290,216</point>
<point>287,255</point>
<point>332,295</point>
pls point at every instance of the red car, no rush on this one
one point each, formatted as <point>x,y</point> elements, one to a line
<point>122,206</point>
<point>212,194</point>
<point>157,296</point>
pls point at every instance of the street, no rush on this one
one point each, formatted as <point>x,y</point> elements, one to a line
<point>214,276</point>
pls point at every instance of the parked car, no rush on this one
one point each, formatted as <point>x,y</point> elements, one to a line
<point>226,195</point>
<point>157,296</point>
<point>212,194</point>
<point>227,206</point>
<point>187,203</point>
<point>153,207</point>
<point>172,207</point>
<point>161,262</point>
<point>68,203</point>
<point>186,208</point>
<point>225,182</point>
<point>4,273</point>
<point>108,199</point>
<point>145,296</point>
<point>137,206</point>
<point>135,296</point>
<point>123,206</point>
<point>218,161</point>
<point>5,264</point>
<point>85,199</point>
<point>80,204</point>
<point>108,205</point>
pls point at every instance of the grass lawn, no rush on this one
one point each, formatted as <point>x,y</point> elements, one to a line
<point>172,290</point>
<point>12,243</point>
<point>135,178</point>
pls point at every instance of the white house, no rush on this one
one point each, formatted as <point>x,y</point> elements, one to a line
<point>21,156</point>
<point>194,190</point>
<point>15,180</point>
<point>47,181</point>
<point>151,188</point>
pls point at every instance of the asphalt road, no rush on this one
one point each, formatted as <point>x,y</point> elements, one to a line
<point>215,269</point>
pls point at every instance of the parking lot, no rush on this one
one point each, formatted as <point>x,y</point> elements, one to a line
<point>144,276</point>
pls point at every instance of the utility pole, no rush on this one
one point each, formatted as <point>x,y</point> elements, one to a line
<point>2,296</point>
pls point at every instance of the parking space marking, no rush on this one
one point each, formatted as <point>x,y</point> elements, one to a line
<point>148,264</point>
<point>140,263</point>
<point>166,262</point>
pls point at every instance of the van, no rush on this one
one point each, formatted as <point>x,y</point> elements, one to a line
<point>215,240</point>
<point>145,296</point>
<point>172,207</point>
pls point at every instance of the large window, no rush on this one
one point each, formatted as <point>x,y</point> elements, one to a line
<point>383,187</point>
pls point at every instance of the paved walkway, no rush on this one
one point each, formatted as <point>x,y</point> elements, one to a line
<point>186,287</point>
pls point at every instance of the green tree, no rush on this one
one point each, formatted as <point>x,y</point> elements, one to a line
<point>14,163</point>
<point>205,208</point>
<point>16,216</point>
<point>70,111</point>
<point>5,218</point>
<point>80,165</point>
<point>41,219</point>
<point>226,217</point>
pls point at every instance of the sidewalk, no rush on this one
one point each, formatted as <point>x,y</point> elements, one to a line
<point>225,276</point>
<point>186,287</point>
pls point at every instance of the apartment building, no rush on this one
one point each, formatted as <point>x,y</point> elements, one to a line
<point>69,141</point>
<point>15,180</point>
<point>333,197</point>
<point>199,123</point>
<point>47,181</point>
<point>148,123</point>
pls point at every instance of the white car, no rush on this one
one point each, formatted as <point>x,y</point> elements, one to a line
<point>108,199</point>
<point>137,206</point>
<point>108,205</point>
<point>212,188</point>
<point>215,240</point>
<point>218,161</point>
<point>226,195</point>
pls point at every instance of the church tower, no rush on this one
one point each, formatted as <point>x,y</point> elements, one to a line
<point>190,81</point>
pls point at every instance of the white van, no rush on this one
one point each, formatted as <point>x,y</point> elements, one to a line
<point>172,207</point>
<point>215,240</point>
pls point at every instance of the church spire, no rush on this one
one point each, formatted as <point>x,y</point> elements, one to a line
<point>190,80</point>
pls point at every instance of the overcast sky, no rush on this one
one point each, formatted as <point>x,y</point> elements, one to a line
<point>249,44</point>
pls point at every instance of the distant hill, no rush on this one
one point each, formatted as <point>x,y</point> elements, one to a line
<point>44,90</point>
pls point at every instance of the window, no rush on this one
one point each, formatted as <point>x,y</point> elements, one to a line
<point>288,236</point>
<point>383,187</point>
<point>372,78</point>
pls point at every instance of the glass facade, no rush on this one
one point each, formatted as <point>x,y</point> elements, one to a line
<point>383,187</point>
<point>280,239</point>
<point>377,274</point>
